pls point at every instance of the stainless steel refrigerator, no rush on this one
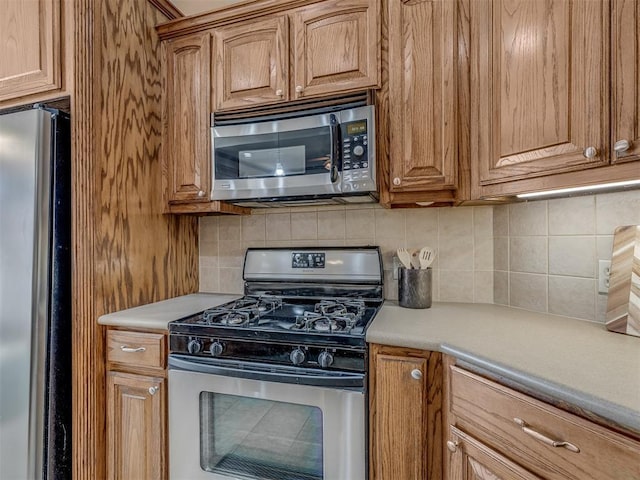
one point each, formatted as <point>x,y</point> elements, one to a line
<point>35,295</point>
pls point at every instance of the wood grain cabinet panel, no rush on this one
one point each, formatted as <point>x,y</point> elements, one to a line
<point>136,349</point>
<point>539,87</point>
<point>405,412</point>
<point>625,70</point>
<point>186,119</point>
<point>30,36</point>
<point>251,63</point>
<point>422,95</point>
<point>523,429</point>
<point>470,459</point>
<point>336,47</point>
<point>136,420</point>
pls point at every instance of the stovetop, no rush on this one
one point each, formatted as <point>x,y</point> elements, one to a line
<point>309,307</point>
<point>297,320</point>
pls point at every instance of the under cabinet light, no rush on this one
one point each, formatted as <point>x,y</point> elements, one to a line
<point>587,188</point>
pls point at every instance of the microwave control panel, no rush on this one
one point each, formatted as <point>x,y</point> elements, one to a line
<point>356,166</point>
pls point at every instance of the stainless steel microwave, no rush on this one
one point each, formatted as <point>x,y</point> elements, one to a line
<point>322,157</point>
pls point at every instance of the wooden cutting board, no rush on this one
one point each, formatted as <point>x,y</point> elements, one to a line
<point>623,302</point>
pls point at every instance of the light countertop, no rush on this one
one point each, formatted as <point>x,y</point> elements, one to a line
<point>156,315</point>
<point>564,358</point>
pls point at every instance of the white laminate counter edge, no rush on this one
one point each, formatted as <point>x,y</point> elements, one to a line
<point>599,406</point>
<point>562,358</point>
<point>157,315</point>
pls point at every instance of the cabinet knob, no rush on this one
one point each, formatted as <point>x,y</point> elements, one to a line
<point>621,146</point>
<point>153,390</point>
<point>299,89</point>
<point>416,374</point>
<point>452,446</point>
<point>200,193</point>
<point>590,152</point>
<point>279,92</point>
<point>396,181</point>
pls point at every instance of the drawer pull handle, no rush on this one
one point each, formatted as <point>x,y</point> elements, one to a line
<point>544,439</point>
<point>126,349</point>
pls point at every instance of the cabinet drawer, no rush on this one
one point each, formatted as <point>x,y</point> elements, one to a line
<point>522,428</point>
<point>139,349</point>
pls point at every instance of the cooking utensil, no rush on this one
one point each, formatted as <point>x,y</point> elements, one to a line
<point>405,257</point>
<point>427,256</point>
<point>415,259</point>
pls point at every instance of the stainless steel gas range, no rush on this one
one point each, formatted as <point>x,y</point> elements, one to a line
<point>273,385</point>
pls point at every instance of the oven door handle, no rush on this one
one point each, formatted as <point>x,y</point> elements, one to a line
<point>266,372</point>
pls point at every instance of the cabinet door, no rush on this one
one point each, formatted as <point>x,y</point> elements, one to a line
<point>135,426</point>
<point>336,47</point>
<point>422,94</point>
<point>405,414</point>
<point>31,47</point>
<point>625,51</point>
<point>472,460</point>
<point>251,63</point>
<point>186,119</point>
<point>539,88</point>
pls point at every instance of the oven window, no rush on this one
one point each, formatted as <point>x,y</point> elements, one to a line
<point>260,439</point>
<point>284,154</point>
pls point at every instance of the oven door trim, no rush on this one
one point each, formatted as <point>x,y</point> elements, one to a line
<point>343,411</point>
<point>264,371</point>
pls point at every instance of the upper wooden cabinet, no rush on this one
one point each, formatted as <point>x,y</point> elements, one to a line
<point>251,63</point>
<point>423,89</point>
<point>336,47</point>
<point>32,42</point>
<point>625,69</point>
<point>539,87</point>
<point>186,127</point>
<point>186,122</point>
<point>554,94</point>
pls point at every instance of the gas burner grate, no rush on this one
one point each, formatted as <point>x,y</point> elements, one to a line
<point>319,322</point>
<point>241,312</point>
<point>341,307</point>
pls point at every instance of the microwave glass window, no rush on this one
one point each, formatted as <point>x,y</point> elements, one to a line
<point>271,162</point>
<point>260,439</point>
<point>299,152</point>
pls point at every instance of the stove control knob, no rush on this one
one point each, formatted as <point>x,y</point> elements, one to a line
<point>297,356</point>
<point>194,346</point>
<point>216,349</point>
<point>325,359</point>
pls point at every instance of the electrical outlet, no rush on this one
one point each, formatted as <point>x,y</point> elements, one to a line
<point>604,271</point>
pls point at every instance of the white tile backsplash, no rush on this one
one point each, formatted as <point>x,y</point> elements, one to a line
<point>539,255</point>
<point>463,237</point>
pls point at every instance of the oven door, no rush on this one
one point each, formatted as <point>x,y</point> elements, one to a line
<point>223,425</point>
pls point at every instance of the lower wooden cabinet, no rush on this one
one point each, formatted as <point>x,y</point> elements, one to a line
<point>405,414</point>
<point>497,432</point>
<point>471,459</point>
<point>136,426</point>
<point>136,416</point>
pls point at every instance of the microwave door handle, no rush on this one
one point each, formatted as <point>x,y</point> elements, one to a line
<point>334,139</point>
